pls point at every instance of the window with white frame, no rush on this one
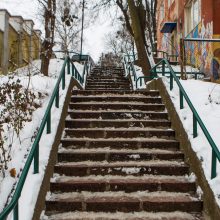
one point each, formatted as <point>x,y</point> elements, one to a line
<point>192,15</point>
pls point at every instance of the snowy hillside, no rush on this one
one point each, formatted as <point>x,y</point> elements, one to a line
<point>205,97</point>
<point>43,86</point>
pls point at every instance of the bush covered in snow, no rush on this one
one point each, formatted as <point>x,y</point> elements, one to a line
<point>17,105</point>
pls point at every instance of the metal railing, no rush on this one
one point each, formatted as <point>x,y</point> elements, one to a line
<point>166,55</point>
<point>196,118</point>
<point>46,122</point>
<point>165,72</point>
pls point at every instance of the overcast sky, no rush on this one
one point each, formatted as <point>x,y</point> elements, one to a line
<point>94,38</point>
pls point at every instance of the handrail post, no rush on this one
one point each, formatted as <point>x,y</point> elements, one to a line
<point>195,132</point>
<point>68,66</point>
<point>196,76</point>
<point>213,169</point>
<point>163,69</point>
<point>181,99</point>
<point>73,71</point>
<point>16,212</point>
<point>171,81</point>
<point>84,70</point>
<point>63,80</point>
<point>49,122</point>
<point>57,98</point>
<point>36,159</point>
<point>155,72</point>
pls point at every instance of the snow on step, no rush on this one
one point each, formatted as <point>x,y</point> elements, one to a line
<point>109,154</point>
<point>140,195</point>
<point>124,163</point>
<point>114,132</point>
<point>121,201</point>
<point>156,167</point>
<point>123,216</point>
<point>160,178</point>
<point>124,150</point>
<point>68,184</point>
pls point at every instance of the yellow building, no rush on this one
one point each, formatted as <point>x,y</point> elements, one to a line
<point>13,44</point>
<point>19,42</point>
<point>36,44</point>
<point>1,49</point>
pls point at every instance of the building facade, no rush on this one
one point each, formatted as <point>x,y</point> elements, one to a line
<point>19,42</point>
<point>190,19</point>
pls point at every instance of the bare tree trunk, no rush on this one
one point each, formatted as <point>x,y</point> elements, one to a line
<point>48,43</point>
<point>137,26</point>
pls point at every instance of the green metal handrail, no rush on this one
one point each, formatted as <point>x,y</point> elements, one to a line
<point>164,73</point>
<point>196,117</point>
<point>46,121</point>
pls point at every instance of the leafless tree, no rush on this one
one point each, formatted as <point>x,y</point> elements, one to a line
<point>120,41</point>
<point>68,25</point>
<point>49,9</point>
<point>140,20</point>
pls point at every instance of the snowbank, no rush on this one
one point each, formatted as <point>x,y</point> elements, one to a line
<point>205,97</point>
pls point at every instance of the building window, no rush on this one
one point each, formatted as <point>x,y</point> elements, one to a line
<point>192,15</point>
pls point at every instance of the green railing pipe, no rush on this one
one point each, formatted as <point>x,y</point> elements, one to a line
<point>129,67</point>
<point>196,117</point>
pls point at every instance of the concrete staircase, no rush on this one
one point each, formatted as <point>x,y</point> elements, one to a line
<point>119,159</point>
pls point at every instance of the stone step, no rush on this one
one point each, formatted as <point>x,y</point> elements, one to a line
<point>103,83</point>
<point>116,106</point>
<point>77,99</point>
<point>124,202</point>
<point>124,216</point>
<point>102,123</point>
<point>119,143</point>
<point>110,75</point>
<point>106,88</point>
<point>108,114</point>
<point>110,69</point>
<point>152,184</point>
<point>109,79</point>
<point>111,155</point>
<point>113,92</point>
<point>137,168</point>
<point>118,132</point>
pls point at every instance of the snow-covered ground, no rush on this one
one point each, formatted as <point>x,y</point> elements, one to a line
<point>205,97</point>
<point>44,85</point>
